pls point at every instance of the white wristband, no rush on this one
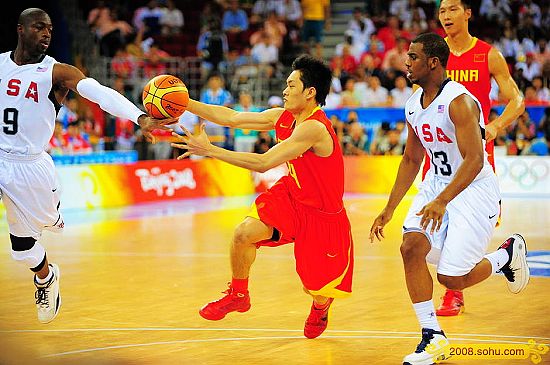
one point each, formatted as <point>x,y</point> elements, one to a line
<point>108,99</point>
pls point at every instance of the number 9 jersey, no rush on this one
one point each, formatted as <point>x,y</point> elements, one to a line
<point>436,131</point>
<point>27,105</point>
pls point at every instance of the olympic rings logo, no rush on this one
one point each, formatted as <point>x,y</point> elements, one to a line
<point>526,172</point>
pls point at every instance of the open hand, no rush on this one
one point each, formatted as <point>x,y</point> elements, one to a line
<point>377,228</point>
<point>195,145</point>
<point>432,212</point>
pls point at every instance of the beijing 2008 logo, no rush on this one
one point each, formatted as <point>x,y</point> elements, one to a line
<point>526,172</point>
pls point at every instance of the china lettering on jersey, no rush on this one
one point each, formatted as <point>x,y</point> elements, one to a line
<point>27,115</point>
<point>436,131</point>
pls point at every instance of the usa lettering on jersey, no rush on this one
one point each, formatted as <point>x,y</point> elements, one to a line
<point>15,87</point>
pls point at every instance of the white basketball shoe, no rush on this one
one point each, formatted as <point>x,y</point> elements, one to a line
<point>516,269</point>
<point>48,298</point>
<point>433,348</point>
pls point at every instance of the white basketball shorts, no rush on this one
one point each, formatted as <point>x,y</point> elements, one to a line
<point>467,226</point>
<point>30,192</point>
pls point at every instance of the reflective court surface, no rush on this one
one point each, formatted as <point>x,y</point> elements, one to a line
<point>133,280</point>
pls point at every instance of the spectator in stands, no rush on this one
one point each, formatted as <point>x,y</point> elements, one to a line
<point>244,139</point>
<point>521,132</point>
<point>435,27</point>
<point>172,19</point>
<point>235,25</point>
<point>355,49</point>
<point>262,8</point>
<point>154,63</point>
<point>401,93</point>
<point>415,15</point>
<point>212,47</point>
<point>57,144</point>
<point>317,18</point>
<point>531,97</point>
<point>388,34</point>
<point>401,127</point>
<point>377,95</point>
<point>361,28</point>
<point>530,9</point>
<point>123,64</point>
<point>395,58</point>
<point>211,12</point>
<point>542,51</point>
<point>355,142</point>
<point>543,93</point>
<point>275,29</point>
<point>266,55</point>
<point>68,112</point>
<point>292,13</point>
<point>544,123</point>
<point>264,142</point>
<point>380,137</point>
<point>528,28</point>
<point>148,18</point>
<point>508,44</point>
<point>75,142</point>
<point>495,10</point>
<point>530,67</point>
<point>350,99</point>
<point>111,33</point>
<point>333,99</point>
<point>99,16</point>
<point>339,127</point>
<point>216,94</point>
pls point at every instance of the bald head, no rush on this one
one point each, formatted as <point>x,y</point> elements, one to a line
<point>27,16</point>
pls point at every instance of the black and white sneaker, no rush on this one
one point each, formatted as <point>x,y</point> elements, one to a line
<point>433,348</point>
<point>516,269</point>
<point>48,299</point>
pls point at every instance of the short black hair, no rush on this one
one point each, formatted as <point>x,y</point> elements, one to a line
<point>314,73</point>
<point>434,46</point>
<point>466,4</point>
<point>28,15</point>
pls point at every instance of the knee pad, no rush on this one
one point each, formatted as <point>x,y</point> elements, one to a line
<point>28,251</point>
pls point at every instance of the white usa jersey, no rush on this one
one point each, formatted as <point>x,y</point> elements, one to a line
<point>436,131</point>
<point>27,109</point>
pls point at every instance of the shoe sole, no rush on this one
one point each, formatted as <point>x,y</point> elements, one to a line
<point>449,314</point>
<point>205,316</point>
<point>522,275</point>
<point>57,273</point>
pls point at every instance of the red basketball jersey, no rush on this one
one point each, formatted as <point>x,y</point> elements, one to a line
<point>471,69</point>
<point>314,181</point>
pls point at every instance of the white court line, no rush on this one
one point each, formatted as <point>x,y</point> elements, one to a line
<point>95,349</point>
<point>183,329</point>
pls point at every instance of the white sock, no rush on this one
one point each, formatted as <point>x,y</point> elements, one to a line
<point>498,259</point>
<point>47,278</point>
<point>425,312</point>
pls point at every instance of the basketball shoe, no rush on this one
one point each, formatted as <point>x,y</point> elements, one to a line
<point>433,347</point>
<point>516,269</point>
<point>48,298</point>
<point>317,321</point>
<point>231,302</point>
<point>452,303</point>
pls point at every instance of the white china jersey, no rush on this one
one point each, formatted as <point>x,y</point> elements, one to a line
<point>27,109</point>
<point>437,133</point>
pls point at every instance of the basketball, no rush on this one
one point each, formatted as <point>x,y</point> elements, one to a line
<point>165,96</point>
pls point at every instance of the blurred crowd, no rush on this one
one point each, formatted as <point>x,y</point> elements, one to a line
<point>259,39</point>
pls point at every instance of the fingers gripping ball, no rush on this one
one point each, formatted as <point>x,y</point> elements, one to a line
<point>165,96</point>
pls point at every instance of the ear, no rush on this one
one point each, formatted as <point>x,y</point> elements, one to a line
<point>468,13</point>
<point>434,61</point>
<point>311,92</point>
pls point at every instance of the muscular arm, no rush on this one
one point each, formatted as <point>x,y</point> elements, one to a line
<point>507,86</point>
<point>222,115</point>
<point>307,135</point>
<point>408,169</point>
<point>463,112</point>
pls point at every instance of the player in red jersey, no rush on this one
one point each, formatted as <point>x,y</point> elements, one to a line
<point>304,207</point>
<point>472,63</point>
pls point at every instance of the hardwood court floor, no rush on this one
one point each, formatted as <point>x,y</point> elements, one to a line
<point>133,280</point>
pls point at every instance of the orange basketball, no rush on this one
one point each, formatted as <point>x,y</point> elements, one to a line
<point>165,96</point>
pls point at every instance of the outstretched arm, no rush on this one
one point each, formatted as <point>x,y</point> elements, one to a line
<point>263,121</point>
<point>69,77</point>
<point>305,136</point>
<point>507,86</point>
<point>408,169</point>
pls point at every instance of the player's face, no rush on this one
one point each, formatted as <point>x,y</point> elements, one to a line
<point>294,95</point>
<point>453,17</point>
<point>417,63</point>
<point>36,35</point>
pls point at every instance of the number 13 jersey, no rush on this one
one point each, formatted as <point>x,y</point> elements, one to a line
<point>27,109</point>
<point>436,131</point>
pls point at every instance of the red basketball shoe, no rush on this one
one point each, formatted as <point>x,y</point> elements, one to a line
<point>317,321</point>
<point>231,302</point>
<point>452,304</point>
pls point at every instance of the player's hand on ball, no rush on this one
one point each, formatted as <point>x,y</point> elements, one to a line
<point>149,124</point>
<point>194,144</point>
